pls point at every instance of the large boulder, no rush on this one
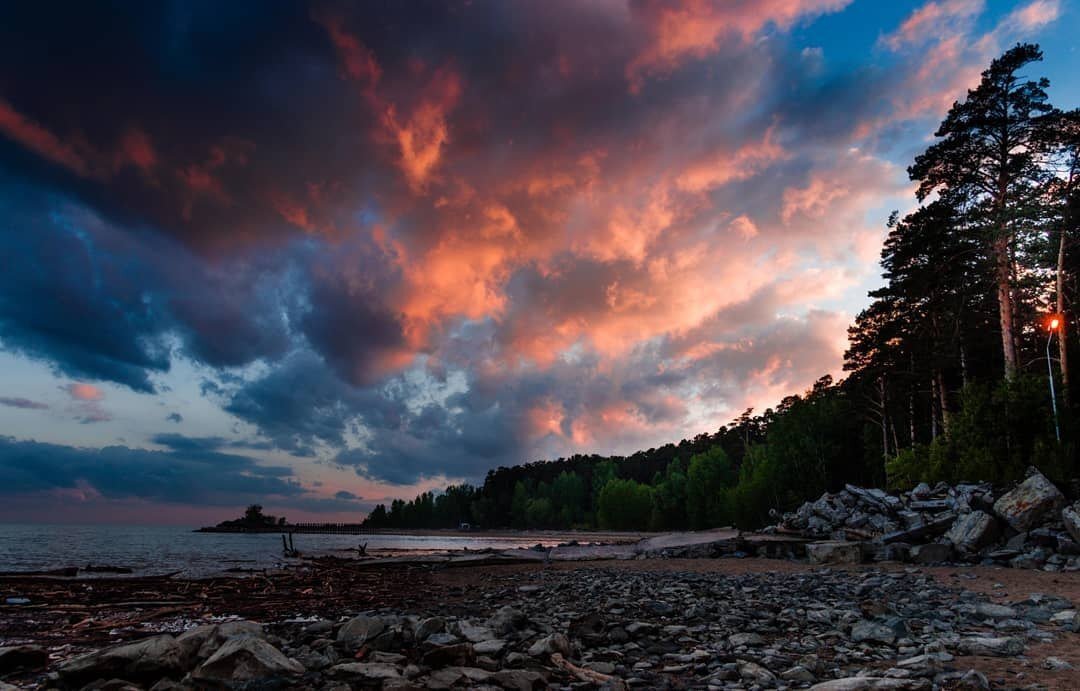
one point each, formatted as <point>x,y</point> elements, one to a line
<point>146,660</point>
<point>361,628</point>
<point>835,552</point>
<point>16,657</point>
<point>1070,516</point>
<point>199,643</point>
<point>1029,502</point>
<point>246,659</point>
<point>972,531</point>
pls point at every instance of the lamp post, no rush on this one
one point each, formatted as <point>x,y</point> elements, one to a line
<point>1054,323</point>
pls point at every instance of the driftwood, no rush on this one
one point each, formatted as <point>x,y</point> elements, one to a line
<point>587,675</point>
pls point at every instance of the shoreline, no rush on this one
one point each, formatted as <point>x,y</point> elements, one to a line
<point>672,607</point>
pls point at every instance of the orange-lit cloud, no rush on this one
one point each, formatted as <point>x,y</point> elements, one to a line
<point>693,29</point>
<point>41,141</point>
<point>85,392</point>
<point>422,133</point>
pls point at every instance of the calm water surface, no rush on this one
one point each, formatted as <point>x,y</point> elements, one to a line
<point>162,549</point>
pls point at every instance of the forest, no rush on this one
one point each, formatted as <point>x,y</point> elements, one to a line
<point>948,370</point>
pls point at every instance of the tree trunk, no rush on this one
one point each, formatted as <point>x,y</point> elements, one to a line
<point>933,408</point>
<point>1062,350</point>
<point>943,402</point>
<point>1003,276</point>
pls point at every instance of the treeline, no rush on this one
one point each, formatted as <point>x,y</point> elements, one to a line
<point>948,366</point>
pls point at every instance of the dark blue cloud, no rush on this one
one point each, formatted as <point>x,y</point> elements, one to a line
<point>119,472</point>
<point>19,402</point>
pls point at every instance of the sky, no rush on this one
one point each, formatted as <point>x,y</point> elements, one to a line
<point>319,255</point>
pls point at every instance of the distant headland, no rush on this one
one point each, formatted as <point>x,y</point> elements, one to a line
<point>255,521</point>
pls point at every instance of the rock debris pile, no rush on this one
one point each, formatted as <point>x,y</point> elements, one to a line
<point>1030,526</point>
<point>613,628</point>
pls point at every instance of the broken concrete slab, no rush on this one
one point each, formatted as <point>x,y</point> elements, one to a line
<point>835,552</point>
<point>1032,500</point>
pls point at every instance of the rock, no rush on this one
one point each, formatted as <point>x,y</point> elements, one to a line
<point>873,632</point>
<point>835,552</point>
<point>520,679</point>
<point>201,642</point>
<point>553,643</point>
<point>473,633</point>
<point>492,646</point>
<point>989,610</point>
<point>739,640</point>
<point>872,683</point>
<point>451,676</point>
<point>146,660</point>
<point>245,659</point>
<point>752,671</point>
<point>360,629</point>
<point>1070,516</point>
<point>1032,500</point>
<point>932,553</point>
<point>427,627</point>
<point>1057,664</point>
<point>443,655</point>
<point>507,620</point>
<point>973,680</point>
<point>973,531</point>
<point>991,647</point>
<point>22,657</point>
<point>798,674</point>
<point>365,670</point>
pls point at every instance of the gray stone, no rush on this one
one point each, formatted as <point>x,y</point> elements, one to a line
<point>553,643</point>
<point>200,642</point>
<point>798,674</point>
<point>752,671</point>
<point>365,670</point>
<point>873,684</point>
<point>427,627</point>
<point>146,660</point>
<point>748,639</point>
<point>360,629</point>
<point>973,680</point>
<point>873,632</point>
<point>473,633</point>
<point>1057,664</point>
<point>492,646</point>
<point>972,531</point>
<point>932,553</point>
<point>245,659</point>
<point>1070,516</point>
<point>835,552</point>
<point>991,647</point>
<point>520,679</point>
<point>1030,502</point>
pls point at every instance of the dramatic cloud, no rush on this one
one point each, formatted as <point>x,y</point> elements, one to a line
<point>192,474</point>
<point>419,240</point>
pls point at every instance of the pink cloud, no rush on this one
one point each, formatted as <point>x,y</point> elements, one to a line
<point>85,392</point>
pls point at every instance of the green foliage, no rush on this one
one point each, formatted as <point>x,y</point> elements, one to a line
<point>709,475</point>
<point>624,505</point>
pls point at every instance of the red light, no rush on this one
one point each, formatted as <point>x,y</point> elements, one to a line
<point>1054,323</point>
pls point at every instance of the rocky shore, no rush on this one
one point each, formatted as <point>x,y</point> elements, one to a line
<point>686,625</point>
<point>681,610</point>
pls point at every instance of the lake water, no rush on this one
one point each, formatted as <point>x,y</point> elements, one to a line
<point>162,549</point>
